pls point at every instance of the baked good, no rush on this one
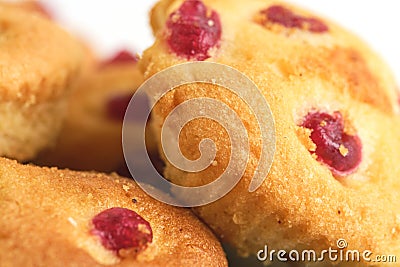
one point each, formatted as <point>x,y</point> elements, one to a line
<point>335,105</point>
<point>39,62</point>
<point>56,217</point>
<point>34,6</point>
<point>91,137</point>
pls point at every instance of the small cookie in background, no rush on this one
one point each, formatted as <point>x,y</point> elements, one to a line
<point>39,64</point>
<point>91,137</point>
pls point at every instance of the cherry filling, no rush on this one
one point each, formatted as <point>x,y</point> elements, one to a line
<point>117,105</point>
<point>121,57</point>
<point>120,228</point>
<point>193,30</point>
<point>285,17</point>
<point>340,151</point>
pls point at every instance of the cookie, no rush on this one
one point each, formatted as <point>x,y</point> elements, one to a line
<point>39,63</point>
<point>52,217</point>
<point>31,5</point>
<point>91,137</point>
<point>335,104</point>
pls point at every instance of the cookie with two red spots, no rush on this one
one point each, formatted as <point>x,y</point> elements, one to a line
<point>53,217</point>
<point>334,101</point>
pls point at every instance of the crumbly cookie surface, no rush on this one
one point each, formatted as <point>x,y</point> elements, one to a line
<point>39,62</point>
<point>53,217</point>
<point>38,59</point>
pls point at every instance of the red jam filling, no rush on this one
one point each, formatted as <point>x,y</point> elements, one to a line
<point>116,107</point>
<point>120,228</point>
<point>341,152</point>
<point>285,17</point>
<point>121,57</point>
<point>193,30</point>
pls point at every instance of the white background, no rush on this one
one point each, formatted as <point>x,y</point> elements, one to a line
<point>109,25</point>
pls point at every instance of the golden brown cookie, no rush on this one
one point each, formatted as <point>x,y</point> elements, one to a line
<point>335,170</point>
<point>38,64</point>
<point>52,217</point>
<point>91,137</point>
